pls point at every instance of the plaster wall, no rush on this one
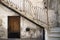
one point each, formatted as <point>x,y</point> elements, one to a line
<point>4,13</point>
<point>35,11</point>
<point>35,31</point>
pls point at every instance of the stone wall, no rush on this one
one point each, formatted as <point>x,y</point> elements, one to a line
<point>55,5</point>
<point>58,14</point>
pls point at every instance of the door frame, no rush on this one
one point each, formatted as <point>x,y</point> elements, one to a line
<point>19,23</point>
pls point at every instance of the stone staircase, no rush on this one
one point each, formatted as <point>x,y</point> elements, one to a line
<point>54,33</point>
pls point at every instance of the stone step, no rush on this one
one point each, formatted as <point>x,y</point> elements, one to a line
<point>54,35</point>
<point>21,39</point>
<point>54,38</point>
<point>55,30</point>
<point>10,39</point>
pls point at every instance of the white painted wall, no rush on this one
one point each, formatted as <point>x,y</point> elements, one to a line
<point>35,31</point>
<point>34,10</point>
<point>42,16</point>
<point>4,13</point>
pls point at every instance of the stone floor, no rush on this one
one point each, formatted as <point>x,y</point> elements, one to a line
<point>19,39</point>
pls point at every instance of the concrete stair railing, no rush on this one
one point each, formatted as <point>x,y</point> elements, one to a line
<point>25,7</point>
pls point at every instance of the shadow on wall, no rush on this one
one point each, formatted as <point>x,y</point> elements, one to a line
<point>3,31</point>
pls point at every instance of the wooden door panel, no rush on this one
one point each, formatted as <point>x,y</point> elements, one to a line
<point>10,26</point>
<point>16,24</point>
<point>13,25</point>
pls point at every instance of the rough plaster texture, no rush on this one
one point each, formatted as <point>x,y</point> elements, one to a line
<point>35,11</point>
<point>34,32</point>
<point>4,13</point>
<point>58,14</point>
<point>52,18</point>
<point>52,15</point>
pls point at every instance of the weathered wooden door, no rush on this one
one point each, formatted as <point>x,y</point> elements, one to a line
<point>13,26</point>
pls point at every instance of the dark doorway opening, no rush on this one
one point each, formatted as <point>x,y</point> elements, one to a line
<point>13,26</point>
